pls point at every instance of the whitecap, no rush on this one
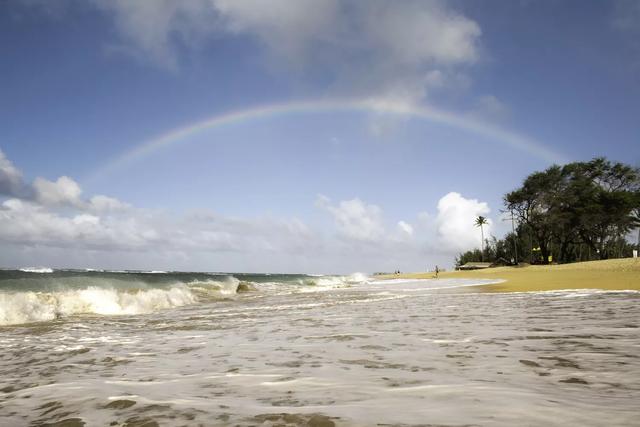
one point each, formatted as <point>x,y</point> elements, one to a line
<point>25,307</point>
<point>37,270</point>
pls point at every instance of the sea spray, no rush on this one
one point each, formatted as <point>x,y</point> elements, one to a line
<point>27,295</point>
<point>25,307</point>
<point>40,270</point>
<point>325,283</point>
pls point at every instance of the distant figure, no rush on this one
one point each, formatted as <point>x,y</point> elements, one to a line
<point>437,271</point>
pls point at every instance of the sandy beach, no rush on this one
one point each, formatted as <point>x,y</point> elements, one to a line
<point>613,274</point>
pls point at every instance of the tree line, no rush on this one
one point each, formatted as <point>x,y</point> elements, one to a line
<point>577,212</point>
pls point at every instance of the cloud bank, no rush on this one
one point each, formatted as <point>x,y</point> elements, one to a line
<point>50,222</point>
<point>394,49</point>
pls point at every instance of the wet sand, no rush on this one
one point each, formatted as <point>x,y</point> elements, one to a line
<point>615,274</point>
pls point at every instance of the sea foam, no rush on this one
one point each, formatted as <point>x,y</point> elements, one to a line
<point>37,270</point>
<point>332,282</point>
<point>25,307</point>
<point>215,288</point>
<point>67,293</point>
<point>34,306</point>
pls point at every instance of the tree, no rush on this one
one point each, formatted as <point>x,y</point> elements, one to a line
<point>469,256</point>
<point>575,212</point>
<point>579,204</point>
<point>480,222</point>
<point>535,203</point>
<point>606,194</point>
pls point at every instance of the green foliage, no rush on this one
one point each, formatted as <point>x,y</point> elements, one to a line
<point>470,256</point>
<point>577,212</point>
<point>480,222</point>
<point>581,207</point>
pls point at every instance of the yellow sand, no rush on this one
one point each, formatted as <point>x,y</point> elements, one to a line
<point>614,274</point>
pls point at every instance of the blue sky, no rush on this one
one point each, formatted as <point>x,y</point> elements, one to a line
<point>322,190</point>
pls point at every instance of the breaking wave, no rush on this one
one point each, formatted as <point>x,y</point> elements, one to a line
<point>26,298</point>
<point>33,306</point>
<point>37,270</point>
<point>215,288</point>
<point>25,307</point>
<point>316,283</point>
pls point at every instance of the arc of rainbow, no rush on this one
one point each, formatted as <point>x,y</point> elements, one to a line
<point>470,125</point>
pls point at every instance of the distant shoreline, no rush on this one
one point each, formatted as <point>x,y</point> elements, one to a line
<point>613,274</point>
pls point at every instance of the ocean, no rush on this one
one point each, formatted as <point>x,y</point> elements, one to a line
<point>101,348</point>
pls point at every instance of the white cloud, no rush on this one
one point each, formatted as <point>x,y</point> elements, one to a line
<point>354,218</point>
<point>63,191</point>
<point>288,28</point>
<point>136,238</point>
<point>456,230</point>
<point>27,223</point>
<point>11,183</point>
<point>102,203</point>
<point>106,224</point>
<point>58,225</point>
<point>405,228</point>
<point>408,32</point>
<point>433,239</point>
<point>396,49</point>
<point>154,29</point>
<point>418,32</point>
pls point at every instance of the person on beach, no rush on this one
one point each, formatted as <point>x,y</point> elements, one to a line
<point>437,271</point>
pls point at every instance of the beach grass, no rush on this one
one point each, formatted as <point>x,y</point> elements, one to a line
<point>613,274</point>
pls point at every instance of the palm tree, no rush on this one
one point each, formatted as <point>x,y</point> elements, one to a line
<point>480,221</point>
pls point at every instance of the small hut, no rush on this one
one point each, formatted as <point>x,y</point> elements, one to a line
<point>475,266</point>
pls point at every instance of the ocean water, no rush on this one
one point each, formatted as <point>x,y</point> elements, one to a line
<point>186,349</point>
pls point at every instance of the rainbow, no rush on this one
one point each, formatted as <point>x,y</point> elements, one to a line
<point>175,136</point>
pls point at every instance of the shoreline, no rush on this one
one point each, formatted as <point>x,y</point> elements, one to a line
<point>613,274</point>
